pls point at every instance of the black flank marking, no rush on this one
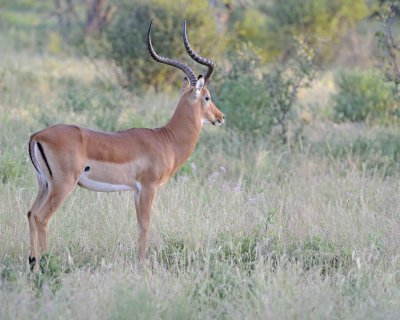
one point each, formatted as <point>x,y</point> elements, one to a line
<point>87,168</point>
<point>44,158</point>
<point>30,154</point>
<point>29,214</point>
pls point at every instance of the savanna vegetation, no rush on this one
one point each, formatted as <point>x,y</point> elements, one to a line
<point>291,210</point>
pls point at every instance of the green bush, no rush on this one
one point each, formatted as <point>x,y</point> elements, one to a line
<point>362,96</point>
<point>127,38</point>
<point>241,94</point>
<point>258,102</point>
<point>245,102</point>
<point>272,25</point>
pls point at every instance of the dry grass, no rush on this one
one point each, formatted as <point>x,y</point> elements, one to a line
<point>245,230</point>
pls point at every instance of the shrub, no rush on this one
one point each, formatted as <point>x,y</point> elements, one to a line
<point>324,19</point>
<point>245,101</point>
<point>261,101</point>
<point>241,95</point>
<point>362,96</point>
<point>127,38</point>
<point>388,52</point>
<point>272,25</point>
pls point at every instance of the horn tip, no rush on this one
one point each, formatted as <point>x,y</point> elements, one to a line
<point>149,30</point>
<point>184,27</point>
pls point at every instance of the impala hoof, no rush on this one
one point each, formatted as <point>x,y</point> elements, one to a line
<point>32,263</point>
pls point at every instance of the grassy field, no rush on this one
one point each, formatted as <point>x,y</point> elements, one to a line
<point>244,230</point>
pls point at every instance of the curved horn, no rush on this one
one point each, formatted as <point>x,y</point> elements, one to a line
<point>196,57</point>
<point>175,63</point>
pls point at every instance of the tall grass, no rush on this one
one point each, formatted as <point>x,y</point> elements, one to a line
<point>244,230</point>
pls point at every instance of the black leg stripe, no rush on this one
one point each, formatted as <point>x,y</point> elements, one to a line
<point>44,158</point>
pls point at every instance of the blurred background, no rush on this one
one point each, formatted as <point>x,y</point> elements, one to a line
<point>281,65</point>
<point>299,75</point>
<point>289,210</point>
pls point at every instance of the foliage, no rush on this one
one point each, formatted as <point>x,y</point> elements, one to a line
<point>323,19</point>
<point>271,26</point>
<point>263,101</point>
<point>50,274</point>
<point>127,38</point>
<point>244,102</point>
<point>377,150</point>
<point>10,168</point>
<point>389,45</point>
<point>362,96</point>
<point>316,252</point>
<point>254,231</point>
<point>8,271</point>
<point>284,82</point>
<point>99,98</point>
<point>23,26</point>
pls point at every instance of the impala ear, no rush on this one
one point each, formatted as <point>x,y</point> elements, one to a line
<point>185,84</point>
<point>199,85</point>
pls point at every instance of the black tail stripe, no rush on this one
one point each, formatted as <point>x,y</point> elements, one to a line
<point>30,155</point>
<point>44,158</point>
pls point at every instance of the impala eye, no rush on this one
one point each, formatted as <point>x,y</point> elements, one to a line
<point>208,98</point>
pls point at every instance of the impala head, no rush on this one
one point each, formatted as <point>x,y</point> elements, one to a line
<point>194,89</point>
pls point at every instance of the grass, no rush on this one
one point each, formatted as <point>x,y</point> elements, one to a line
<point>244,230</point>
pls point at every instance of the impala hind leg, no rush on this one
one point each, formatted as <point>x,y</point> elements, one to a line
<point>57,192</point>
<point>144,197</point>
<point>42,193</point>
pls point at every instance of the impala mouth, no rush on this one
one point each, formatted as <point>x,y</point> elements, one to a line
<point>217,122</point>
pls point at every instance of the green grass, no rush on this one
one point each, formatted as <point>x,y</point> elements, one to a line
<point>244,230</point>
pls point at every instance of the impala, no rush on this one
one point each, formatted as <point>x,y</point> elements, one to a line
<point>137,159</point>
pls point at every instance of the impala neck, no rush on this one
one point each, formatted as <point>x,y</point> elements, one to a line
<point>184,130</point>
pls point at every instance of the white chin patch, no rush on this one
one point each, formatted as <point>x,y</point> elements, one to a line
<point>205,121</point>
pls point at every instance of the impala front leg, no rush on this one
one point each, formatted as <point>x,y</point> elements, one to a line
<point>144,197</point>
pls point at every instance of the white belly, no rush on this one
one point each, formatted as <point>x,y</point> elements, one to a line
<point>86,182</point>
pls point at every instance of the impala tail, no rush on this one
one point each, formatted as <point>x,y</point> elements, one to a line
<point>39,159</point>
